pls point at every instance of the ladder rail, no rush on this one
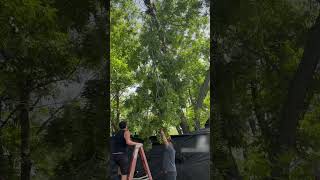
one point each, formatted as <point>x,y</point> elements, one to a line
<point>142,178</point>
<point>144,162</point>
<point>133,163</point>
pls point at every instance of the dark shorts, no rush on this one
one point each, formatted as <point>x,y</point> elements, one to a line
<point>170,175</point>
<point>122,161</point>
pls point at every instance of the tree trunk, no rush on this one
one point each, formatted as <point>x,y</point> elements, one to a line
<point>258,112</point>
<point>114,126</point>
<point>5,162</point>
<point>2,158</point>
<point>293,108</point>
<point>11,171</point>
<point>222,157</point>
<point>317,170</point>
<point>300,84</point>
<point>25,135</point>
<point>183,122</point>
<point>118,106</point>
<point>234,173</point>
<point>103,23</point>
<point>202,94</point>
<point>179,130</point>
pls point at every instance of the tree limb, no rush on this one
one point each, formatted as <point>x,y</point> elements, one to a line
<point>204,88</point>
<point>293,108</point>
<point>8,118</point>
<point>44,124</point>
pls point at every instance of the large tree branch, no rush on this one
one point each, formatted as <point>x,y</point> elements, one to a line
<point>3,123</point>
<point>152,12</point>
<point>190,98</point>
<point>258,111</point>
<point>183,122</point>
<point>293,108</point>
<point>204,88</point>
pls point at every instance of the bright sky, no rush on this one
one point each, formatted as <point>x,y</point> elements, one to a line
<point>140,4</point>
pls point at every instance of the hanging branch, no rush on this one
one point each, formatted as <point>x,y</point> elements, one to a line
<point>8,118</point>
<point>204,88</point>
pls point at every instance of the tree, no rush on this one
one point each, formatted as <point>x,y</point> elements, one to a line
<point>259,52</point>
<point>124,43</point>
<point>43,45</point>
<point>32,40</point>
<point>171,51</point>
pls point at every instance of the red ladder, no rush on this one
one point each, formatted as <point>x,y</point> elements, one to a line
<point>134,162</point>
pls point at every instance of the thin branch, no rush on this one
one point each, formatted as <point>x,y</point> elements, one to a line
<point>35,103</point>
<point>44,124</point>
<point>57,80</point>
<point>190,97</point>
<point>8,118</point>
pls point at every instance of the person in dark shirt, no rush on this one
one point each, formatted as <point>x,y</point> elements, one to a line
<point>120,149</point>
<point>168,161</point>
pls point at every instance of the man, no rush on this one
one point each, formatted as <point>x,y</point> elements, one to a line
<point>120,149</point>
<point>168,161</point>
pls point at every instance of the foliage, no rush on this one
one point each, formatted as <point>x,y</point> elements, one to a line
<point>166,55</point>
<point>124,43</point>
<point>259,47</point>
<point>44,47</point>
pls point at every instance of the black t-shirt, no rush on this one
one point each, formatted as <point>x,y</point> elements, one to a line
<point>119,143</point>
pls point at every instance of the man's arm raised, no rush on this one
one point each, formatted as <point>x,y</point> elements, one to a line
<point>164,138</point>
<point>129,141</point>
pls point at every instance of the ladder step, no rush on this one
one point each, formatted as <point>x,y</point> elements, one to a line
<point>141,178</point>
<point>133,163</point>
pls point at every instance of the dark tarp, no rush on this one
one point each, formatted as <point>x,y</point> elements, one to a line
<point>192,157</point>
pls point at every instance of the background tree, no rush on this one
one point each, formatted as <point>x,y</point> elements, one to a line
<point>262,50</point>
<point>45,47</point>
<point>125,27</point>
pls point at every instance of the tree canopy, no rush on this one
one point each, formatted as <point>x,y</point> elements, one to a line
<point>265,77</point>
<point>46,50</point>
<point>160,65</point>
